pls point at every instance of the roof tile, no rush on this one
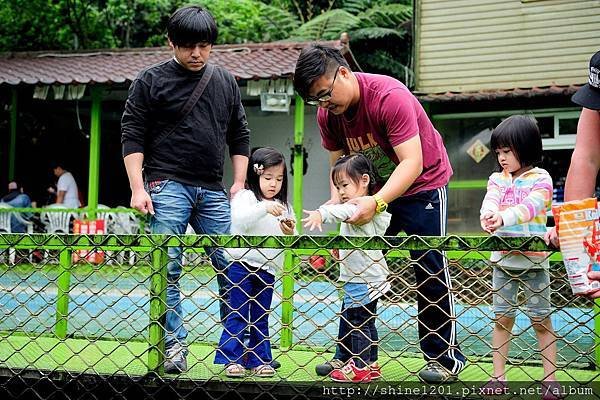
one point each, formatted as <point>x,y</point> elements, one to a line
<point>554,90</point>
<point>244,61</point>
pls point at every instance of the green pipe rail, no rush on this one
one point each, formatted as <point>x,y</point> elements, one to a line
<point>295,247</point>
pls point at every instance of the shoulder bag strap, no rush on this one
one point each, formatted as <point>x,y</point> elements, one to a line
<point>189,104</point>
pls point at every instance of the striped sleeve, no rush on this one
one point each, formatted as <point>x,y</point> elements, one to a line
<point>491,201</point>
<point>535,204</point>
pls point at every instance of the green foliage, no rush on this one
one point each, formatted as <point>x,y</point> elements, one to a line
<point>85,24</point>
<point>23,26</point>
<point>388,15</point>
<point>250,21</point>
<point>371,24</point>
<point>328,25</point>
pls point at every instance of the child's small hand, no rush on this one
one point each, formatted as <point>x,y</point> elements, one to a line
<point>483,219</point>
<point>493,222</point>
<point>287,226</point>
<point>313,220</point>
<point>275,208</point>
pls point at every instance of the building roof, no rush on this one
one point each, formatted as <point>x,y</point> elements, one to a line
<point>554,90</point>
<point>245,61</point>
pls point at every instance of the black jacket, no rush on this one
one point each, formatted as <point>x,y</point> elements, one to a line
<point>195,152</point>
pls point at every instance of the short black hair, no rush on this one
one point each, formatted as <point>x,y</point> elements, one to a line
<point>56,163</point>
<point>521,134</point>
<point>266,157</point>
<point>354,166</point>
<point>315,61</point>
<point>190,25</point>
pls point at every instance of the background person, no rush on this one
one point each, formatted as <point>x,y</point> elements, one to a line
<point>66,187</point>
<point>17,198</point>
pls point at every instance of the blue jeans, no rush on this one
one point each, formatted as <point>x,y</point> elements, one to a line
<point>207,211</point>
<point>250,300</point>
<point>357,335</point>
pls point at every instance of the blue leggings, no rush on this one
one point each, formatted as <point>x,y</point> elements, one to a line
<point>250,302</point>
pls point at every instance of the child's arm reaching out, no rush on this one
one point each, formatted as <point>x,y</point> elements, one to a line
<point>328,213</point>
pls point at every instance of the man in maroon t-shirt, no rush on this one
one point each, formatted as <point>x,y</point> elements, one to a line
<point>378,116</point>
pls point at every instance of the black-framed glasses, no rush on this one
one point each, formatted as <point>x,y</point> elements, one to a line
<point>316,100</point>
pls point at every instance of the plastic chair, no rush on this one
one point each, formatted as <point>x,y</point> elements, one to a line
<point>55,221</point>
<point>5,226</point>
<point>5,219</point>
<point>125,223</point>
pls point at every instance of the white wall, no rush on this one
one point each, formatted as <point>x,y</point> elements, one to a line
<point>277,130</point>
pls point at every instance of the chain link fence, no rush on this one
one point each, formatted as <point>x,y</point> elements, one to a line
<point>84,316</point>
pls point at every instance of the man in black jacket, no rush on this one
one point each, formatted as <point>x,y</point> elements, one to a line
<point>182,157</point>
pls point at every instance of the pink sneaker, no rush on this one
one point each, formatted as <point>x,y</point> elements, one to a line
<point>350,373</point>
<point>375,371</point>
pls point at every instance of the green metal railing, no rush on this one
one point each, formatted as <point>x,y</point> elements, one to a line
<point>153,250</point>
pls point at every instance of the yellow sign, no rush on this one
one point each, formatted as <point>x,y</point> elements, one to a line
<point>478,151</point>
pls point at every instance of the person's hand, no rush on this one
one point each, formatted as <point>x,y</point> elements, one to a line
<point>51,190</point>
<point>595,276</point>
<point>313,220</point>
<point>287,226</point>
<point>483,219</point>
<point>274,208</point>
<point>551,237</point>
<point>141,201</point>
<point>335,254</point>
<point>236,187</point>
<point>493,222</point>
<point>366,210</point>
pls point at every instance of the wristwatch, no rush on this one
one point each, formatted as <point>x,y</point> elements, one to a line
<point>381,204</point>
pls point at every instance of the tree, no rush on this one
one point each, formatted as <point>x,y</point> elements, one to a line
<point>380,32</point>
<point>379,29</point>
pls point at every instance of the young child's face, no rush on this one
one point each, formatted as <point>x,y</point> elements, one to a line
<point>507,159</point>
<point>270,181</point>
<point>348,189</point>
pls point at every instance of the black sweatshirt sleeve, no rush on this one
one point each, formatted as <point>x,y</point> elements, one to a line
<point>134,122</point>
<point>238,134</point>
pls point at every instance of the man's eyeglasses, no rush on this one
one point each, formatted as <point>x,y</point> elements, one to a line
<point>316,100</point>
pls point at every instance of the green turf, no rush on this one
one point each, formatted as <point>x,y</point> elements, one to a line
<point>111,357</point>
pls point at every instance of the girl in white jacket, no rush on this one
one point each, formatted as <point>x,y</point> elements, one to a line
<point>363,272</point>
<point>262,209</point>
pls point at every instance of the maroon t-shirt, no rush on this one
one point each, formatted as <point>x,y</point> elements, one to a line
<point>388,114</point>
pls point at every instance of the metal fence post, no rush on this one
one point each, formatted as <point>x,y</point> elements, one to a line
<point>158,310</point>
<point>597,332</point>
<point>63,288</point>
<point>287,299</point>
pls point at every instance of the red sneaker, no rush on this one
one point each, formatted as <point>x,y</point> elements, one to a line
<point>375,371</point>
<point>350,373</point>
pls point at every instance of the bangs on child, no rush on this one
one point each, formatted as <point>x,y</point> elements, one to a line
<point>266,157</point>
<point>353,166</point>
<point>521,134</point>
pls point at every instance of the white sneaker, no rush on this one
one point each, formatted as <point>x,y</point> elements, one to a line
<point>175,359</point>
